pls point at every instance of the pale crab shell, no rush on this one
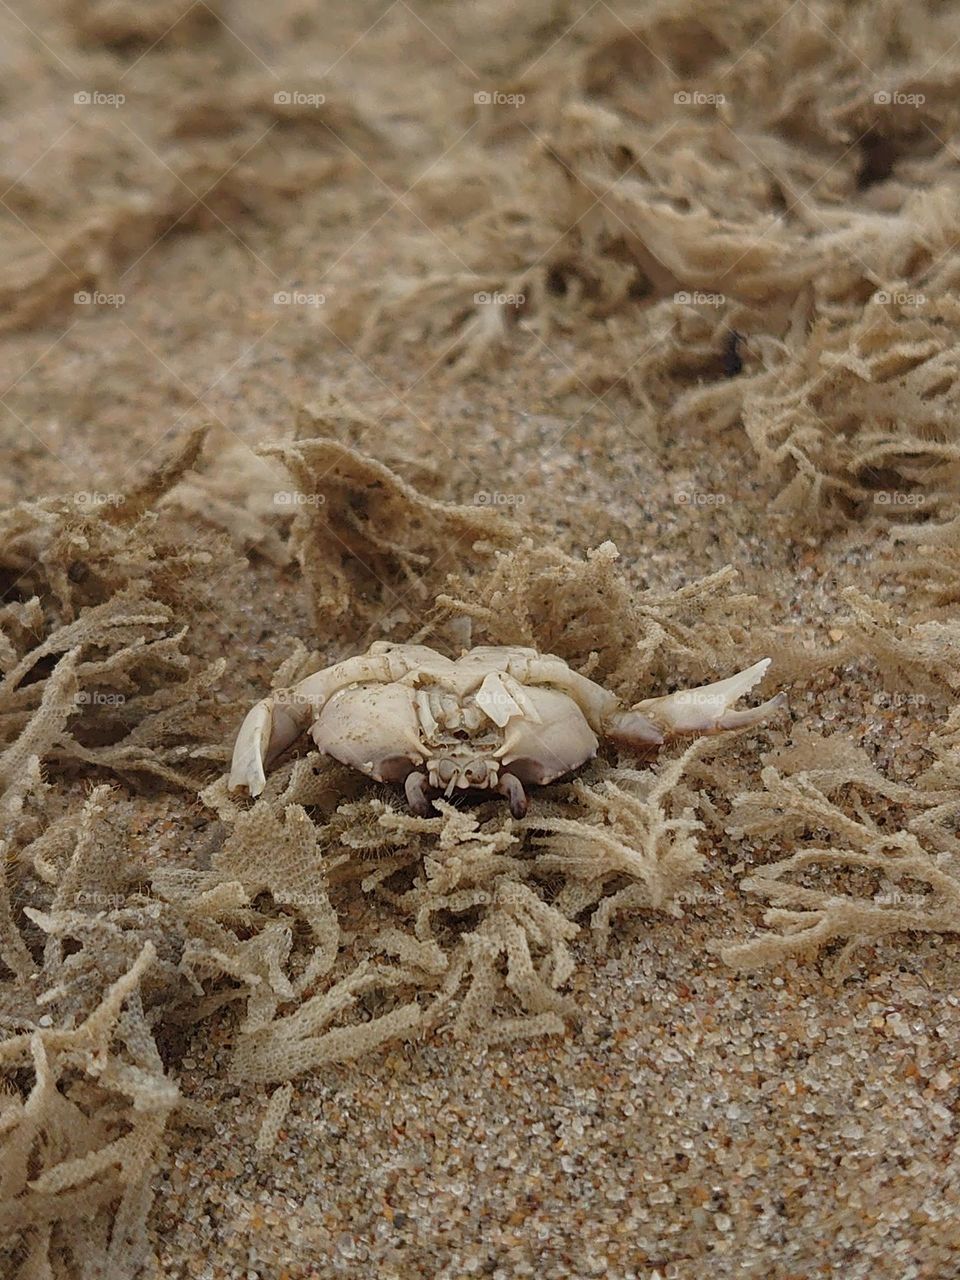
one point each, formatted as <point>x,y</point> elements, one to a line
<point>377,729</point>
<point>496,717</point>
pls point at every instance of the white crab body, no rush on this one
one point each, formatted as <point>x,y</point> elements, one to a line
<point>494,719</point>
<point>460,736</point>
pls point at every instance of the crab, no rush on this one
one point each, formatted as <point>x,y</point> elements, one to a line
<point>495,720</point>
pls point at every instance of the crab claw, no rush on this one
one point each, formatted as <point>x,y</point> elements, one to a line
<point>278,720</point>
<point>707,709</point>
<point>634,730</point>
<point>511,787</point>
<point>268,729</point>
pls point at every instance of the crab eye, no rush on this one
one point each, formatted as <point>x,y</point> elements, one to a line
<point>475,771</point>
<point>445,770</point>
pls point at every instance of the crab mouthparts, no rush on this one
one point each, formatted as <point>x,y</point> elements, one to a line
<point>446,774</point>
<point>507,785</point>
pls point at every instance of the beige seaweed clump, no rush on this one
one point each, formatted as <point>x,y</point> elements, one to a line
<point>470,915</point>
<point>79,1152</point>
<point>865,855</point>
<point>733,227</point>
<point>94,676</point>
<point>928,555</point>
<point>232,153</point>
<point>918,651</point>
<point>73,553</point>
<point>99,592</point>
<point>324,922</point>
<point>855,875</point>
<point>585,610</point>
<point>624,851</point>
<point>368,543</point>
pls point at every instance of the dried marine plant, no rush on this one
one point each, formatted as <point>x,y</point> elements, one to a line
<point>239,154</point>
<point>916,651</point>
<point>367,541</point>
<point>79,1152</point>
<point>854,876</point>
<point>692,176</point>
<point>586,612</point>
<point>99,590</point>
<point>624,835</point>
<point>474,911</point>
<point>95,675</point>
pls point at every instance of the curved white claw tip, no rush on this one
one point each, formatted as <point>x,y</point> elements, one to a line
<point>246,769</point>
<point>247,773</point>
<point>752,715</point>
<point>708,709</point>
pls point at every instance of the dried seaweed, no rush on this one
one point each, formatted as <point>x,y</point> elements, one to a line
<point>832,805</point>
<point>459,895</point>
<point>690,173</point>
<point>750,268</point>
<point>624,833</point>
<point>586,611</point>
<point>469,918</point>
<point>236,154</point>
<point>80,1150</point>
<point>368,543</point>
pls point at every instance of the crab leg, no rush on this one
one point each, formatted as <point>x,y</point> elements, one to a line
<point>707,709</point>
<point>278,720</point>
<point>416,794</point>
<point>511,787</point>
<point>594,701</point>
